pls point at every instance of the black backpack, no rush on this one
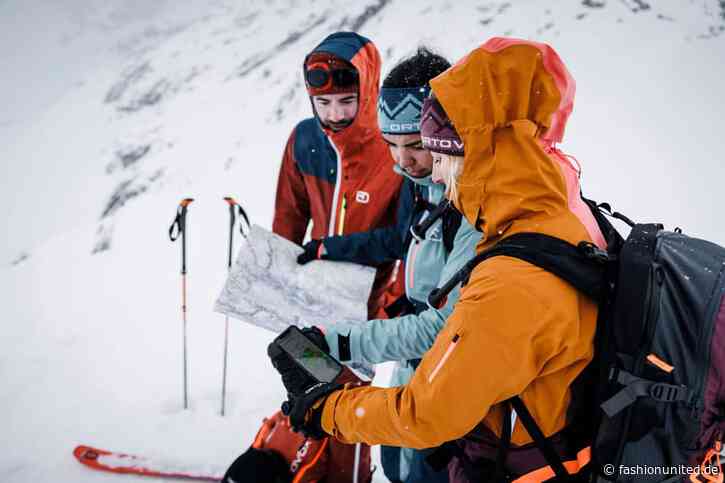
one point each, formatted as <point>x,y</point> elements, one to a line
<point>652,402</point>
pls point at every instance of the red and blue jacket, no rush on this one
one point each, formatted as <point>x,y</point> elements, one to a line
<point>343,182</point>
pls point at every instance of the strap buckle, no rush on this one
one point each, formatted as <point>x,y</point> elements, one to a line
<point>593,252</point>
<point>664,392</point>
<point>637,387</point>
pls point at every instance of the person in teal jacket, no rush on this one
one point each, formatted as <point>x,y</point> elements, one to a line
<point>433,239</point>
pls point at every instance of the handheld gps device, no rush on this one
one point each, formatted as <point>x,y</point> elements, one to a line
<point>318,364</point>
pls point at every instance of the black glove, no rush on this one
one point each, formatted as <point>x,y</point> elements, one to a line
<point>303,391</point>
<point>295,379</point>
<point>305,411</point>
<point>312,248</point>
<point>317,337</point>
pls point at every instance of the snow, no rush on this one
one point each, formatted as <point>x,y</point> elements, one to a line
<point>203,95</point>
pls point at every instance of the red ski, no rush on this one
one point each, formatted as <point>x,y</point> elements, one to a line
<point>103,460</point>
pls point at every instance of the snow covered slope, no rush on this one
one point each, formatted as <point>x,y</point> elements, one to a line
<point>114,111</point>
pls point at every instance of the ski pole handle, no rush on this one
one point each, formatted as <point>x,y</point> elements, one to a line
<point>240,211</point>
<point>178,229</point>
<point>232,219</point>
<point>178,226</point>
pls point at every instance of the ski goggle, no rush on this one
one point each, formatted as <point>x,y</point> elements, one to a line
<point>321,77</point>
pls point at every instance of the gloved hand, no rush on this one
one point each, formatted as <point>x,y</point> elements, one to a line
<point>305,411</point>
<point>306,395</point>
<point>314,250</point>
<point>295,379</point>
<point>317,337</point>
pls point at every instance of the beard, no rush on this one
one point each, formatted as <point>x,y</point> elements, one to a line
<point>338,126</point>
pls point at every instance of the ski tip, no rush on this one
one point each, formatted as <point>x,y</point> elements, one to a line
<point>80,451</point>
<point>87,453</point>
<point>136,465</point>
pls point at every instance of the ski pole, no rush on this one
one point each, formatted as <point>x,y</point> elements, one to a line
<point>176,230</point>
<point>232,220</point>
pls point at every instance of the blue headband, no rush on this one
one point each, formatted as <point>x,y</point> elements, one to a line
<point>399,109</point>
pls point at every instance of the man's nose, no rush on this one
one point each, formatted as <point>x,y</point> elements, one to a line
<point>404,158</point>
<point>337,114</point>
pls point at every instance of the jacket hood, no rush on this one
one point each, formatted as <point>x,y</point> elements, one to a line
<point>364,56</point>
<point>507,99</point>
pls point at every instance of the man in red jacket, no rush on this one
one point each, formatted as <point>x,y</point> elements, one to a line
<point>337,171</point>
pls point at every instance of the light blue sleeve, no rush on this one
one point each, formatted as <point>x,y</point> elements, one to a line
<point>410,336</point>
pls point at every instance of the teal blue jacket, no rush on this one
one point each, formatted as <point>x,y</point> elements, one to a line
<point>427,265</point>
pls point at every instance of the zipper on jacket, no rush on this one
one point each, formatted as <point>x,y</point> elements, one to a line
<point>413,253</point>
<point>445,357</point>
<point>336,195</point>
<point>413,249</point>
<point>341,224</point>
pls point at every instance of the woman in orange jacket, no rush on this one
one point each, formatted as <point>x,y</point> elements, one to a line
<point>517,330</point>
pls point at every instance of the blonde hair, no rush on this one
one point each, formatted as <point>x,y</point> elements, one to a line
<point>451,167</point>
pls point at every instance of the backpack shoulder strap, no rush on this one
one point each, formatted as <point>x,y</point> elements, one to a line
<point>435,212</point>
<point>451,223</point>
<point>611,235</point>
<point>633,283</point>
<point>544,444</point>
<point>582,266</point>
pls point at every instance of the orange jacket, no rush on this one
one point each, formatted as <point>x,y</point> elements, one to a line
<point>343,182</point>
<point>517,329</point>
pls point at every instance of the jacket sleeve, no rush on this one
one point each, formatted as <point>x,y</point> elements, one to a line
<point>292,203</point>
<point>410,336</point>
<point>378,246</point>
<point>492,347</point>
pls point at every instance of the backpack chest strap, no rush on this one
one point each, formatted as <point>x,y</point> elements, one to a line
<point>637,387</point>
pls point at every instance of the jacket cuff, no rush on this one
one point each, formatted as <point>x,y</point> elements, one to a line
<point>327,421</point>
<point>334,247</point>
<point>331,339</point>
<point>354,344</point>
<point>339,345</point>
